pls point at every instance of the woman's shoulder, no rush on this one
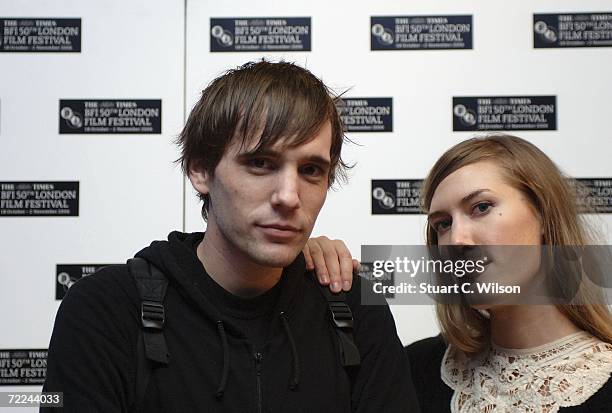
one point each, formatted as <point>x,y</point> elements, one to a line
<point>427,348</point>
<point>603,397</point>
<point>600,402</point>
<point>425,363</point>
<point>593,368</point>
<point>426,356</point>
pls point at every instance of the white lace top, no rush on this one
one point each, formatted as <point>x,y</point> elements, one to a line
<point>537,380</point>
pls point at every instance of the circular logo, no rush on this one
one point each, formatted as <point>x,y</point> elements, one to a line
<point>540,27</point>
<point>382,35</point>
<point>547,33</point>
<point>469,118</point>
<point>378,30</point>
<point>388,202</point>
<point>224,37</point>
<point>384,198</point>
<point>72,118</point>
<point>459,110</point>
<point>550,35</point>
<point>217,31</point>
<point>75,121</point>
<point>378,193</point>
<point>64,279</point>
<point>66,112</point>
<point>465,115</point>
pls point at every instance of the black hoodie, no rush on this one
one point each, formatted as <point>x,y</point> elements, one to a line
<point>92,354</point>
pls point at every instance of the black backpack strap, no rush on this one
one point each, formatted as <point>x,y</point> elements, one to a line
<point>151,348</point>
<point>342,319</point>
<point>144,370</point>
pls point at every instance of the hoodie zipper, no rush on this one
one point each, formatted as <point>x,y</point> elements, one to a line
<point>258,359</point>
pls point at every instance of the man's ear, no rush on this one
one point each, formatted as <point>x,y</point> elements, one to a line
<point>200,179</point>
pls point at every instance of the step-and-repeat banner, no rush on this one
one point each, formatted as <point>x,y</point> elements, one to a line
<point>93,94</point>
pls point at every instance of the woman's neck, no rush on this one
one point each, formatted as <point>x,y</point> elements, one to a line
<point>526,326</point>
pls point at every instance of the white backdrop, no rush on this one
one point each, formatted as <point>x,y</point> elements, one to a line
<point>422,84</point>
<point>130,191</point>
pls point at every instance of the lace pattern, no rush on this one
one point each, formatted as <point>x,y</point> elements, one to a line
<point>538,380</point>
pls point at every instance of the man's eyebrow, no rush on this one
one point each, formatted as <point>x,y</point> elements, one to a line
<point>464,200</point>
<point>266,152</point>
<point>319,160</point>
<point>270,153</point>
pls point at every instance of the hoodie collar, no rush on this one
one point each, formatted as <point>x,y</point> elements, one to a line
<point>178,260</point>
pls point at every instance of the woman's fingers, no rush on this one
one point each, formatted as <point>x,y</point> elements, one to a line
<point>332,262</point>
<point>317,261</point>
<point>308,257</point>
<point>346,265</point>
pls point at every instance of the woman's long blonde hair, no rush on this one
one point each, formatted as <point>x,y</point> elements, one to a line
<point>528,169</point>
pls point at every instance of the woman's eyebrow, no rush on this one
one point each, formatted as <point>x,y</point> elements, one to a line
<point>473,195</point>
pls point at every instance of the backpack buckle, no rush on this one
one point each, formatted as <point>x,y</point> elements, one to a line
<point>341,314</point>
<point>152,315</point>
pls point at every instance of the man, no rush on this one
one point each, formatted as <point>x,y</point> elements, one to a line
<point>247,328</point>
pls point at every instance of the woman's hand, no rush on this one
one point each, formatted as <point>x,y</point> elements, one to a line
<point>331,261</point>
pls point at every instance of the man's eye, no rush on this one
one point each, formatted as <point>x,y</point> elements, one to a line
<point>482,207</point>
<point>312,170</point>
<point>260,163</point>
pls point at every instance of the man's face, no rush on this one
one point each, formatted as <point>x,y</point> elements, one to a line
<point>263,204</point>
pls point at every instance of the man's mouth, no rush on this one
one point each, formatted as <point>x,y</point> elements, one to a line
<point>279,231</point>
<point>281,227</point>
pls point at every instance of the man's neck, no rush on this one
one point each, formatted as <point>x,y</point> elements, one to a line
<point>233,271</point>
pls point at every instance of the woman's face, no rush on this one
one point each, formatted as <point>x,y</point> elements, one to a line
<point>476,206</point>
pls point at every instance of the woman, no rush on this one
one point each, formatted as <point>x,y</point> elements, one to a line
<point>502,190</point>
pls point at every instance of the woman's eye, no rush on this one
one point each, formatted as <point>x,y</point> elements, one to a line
<point>442,225</point>
<point>482,207</point>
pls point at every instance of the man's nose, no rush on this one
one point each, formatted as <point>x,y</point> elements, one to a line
<point>286,192</point>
